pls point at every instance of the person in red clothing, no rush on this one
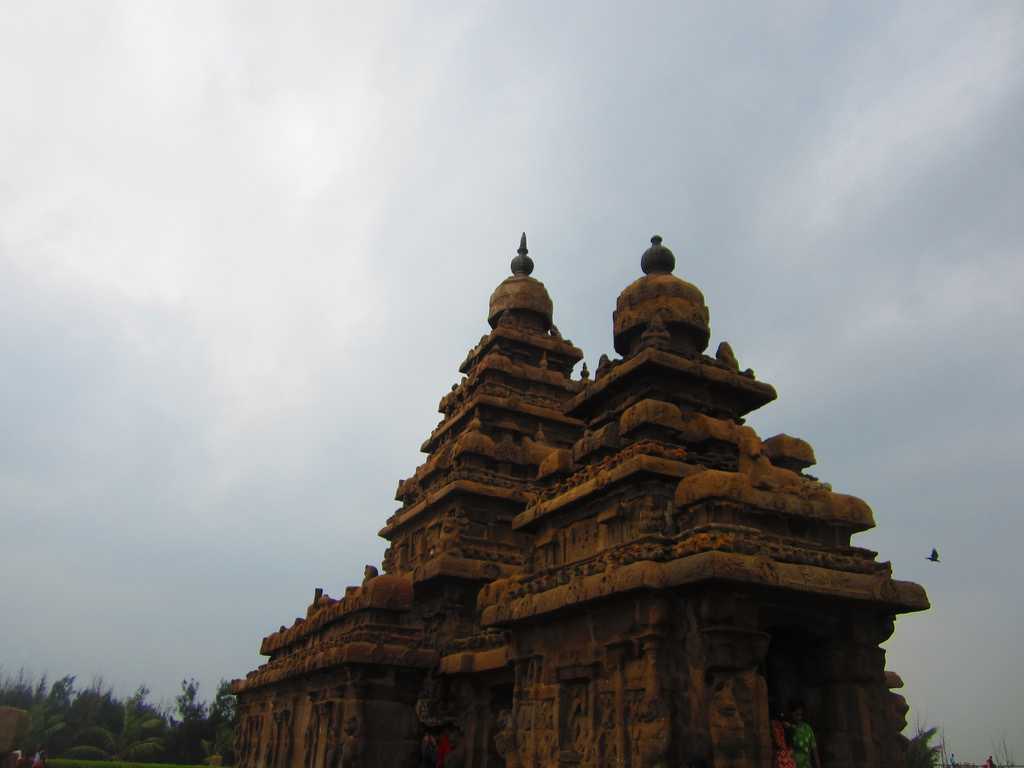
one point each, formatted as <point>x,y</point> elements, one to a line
<point>428,751</point>
<point>783,753</point>
<point>444,746</point>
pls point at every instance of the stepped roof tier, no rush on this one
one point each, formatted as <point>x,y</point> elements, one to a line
<point>501,421</point>
<point>605,572</point>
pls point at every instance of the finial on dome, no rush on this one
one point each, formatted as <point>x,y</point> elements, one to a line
<point>522,265</point>
<point>657,259</point>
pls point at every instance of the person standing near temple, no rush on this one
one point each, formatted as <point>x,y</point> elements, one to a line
<point>457,756</point>
<point>444,746</point>
<point>783,753</point>
<point>428,751</point>
<point>805,746</point>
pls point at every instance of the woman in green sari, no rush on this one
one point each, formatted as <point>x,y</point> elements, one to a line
<point>805,746</point>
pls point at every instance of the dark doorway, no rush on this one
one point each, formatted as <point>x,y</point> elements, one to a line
<point>501,698</point>
<point>791,668</point>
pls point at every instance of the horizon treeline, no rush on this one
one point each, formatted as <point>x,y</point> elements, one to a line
<point>93,723</point>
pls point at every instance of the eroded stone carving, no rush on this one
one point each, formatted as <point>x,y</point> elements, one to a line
<point>352,745</point>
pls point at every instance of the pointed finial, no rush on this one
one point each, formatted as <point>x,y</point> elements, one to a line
<point>727,356</point>
<point>657,259</point>
<point>522,265</point>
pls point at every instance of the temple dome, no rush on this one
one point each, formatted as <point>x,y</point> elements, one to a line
<point>521,294</point>
<point>662,300</point>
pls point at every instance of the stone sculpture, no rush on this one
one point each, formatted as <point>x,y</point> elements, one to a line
<point>14,725</point>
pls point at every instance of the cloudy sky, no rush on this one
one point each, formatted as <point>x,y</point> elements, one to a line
<point>244,247</point>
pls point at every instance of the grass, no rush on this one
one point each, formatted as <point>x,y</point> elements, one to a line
<point>58,762</point>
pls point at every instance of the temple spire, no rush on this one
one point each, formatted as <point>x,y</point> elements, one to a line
<point>657,260</point>
<point>522,265</point>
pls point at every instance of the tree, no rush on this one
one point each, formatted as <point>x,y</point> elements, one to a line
<point>190,709</point>
<point>61,694</point>
<point>139,738</point>
<point>191,727</point>
<point>1002,753</point>
<point>45,723</point>
<point>16,691</point>
<point>223,718</point>
<point>920,752</point>
<point>93,723</point>
<point>58,705</point>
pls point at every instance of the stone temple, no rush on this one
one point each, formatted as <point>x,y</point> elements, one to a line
<point>601,572</point>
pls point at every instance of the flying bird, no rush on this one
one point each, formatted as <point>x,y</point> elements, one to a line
<point>934,556</point>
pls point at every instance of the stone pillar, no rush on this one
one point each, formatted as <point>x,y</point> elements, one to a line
<point>894,752</point>
<point>286,758</point>
<point>335,726</point>
<point>472,708</point>
<point>354,727</point>
<point>249,734</point>
<point>655,718</point>
<point>858,727</point>
<point>526,720</point>
<point>273,735</point>
<point>264,727</point>
<point>506,739</point>
<point>474,735</point>
<point>309,733</point>
<point>736,692</point>
<point>316,727</point>
<point>613,725</point>
<point>324,717</point>
<point>576,715</point>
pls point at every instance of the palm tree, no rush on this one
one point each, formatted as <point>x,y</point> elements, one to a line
<point>44,723</point>
<point>920,752</point>
<point>139,737</point>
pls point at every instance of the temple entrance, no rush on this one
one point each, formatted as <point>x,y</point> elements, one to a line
<point>784,667</point>
<point>501,699</point>
<point>792,667</point>
<point>793,674</point>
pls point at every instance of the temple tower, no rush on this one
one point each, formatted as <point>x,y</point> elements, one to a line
<point>686,573</point>
<point>616,572</point>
